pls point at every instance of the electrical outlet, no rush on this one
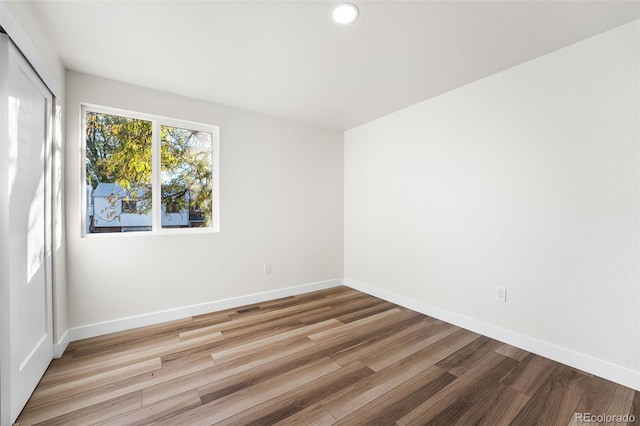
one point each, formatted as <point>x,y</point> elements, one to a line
<point>267,268</point>
<point>501,294</point>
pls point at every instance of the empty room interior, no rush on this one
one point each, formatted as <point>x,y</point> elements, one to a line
<point>318,213</point>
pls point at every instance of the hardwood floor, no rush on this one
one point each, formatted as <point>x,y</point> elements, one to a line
<point>336,356</point>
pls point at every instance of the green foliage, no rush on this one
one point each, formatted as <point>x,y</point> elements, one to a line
<point>119,150</point>
<point>186,170</point>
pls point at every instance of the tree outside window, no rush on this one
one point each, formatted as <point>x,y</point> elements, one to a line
<point>119,170</point>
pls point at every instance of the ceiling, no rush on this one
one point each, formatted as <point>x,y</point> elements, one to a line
<point>288,59</point>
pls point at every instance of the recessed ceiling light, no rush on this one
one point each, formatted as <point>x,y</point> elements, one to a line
<point>345,13</point>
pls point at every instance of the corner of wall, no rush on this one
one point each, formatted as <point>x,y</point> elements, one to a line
<point>61,345</point>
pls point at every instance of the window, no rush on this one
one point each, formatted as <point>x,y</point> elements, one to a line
<point>148,173</point>
<point>172,208</point>
<point>129,206</point>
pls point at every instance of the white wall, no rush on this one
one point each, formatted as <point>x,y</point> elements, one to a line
<point>281,201</point>
<point>528,179</point>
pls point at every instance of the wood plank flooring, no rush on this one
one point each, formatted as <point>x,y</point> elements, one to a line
<point>335,356</point>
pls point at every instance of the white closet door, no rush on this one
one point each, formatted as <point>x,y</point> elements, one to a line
<point>26,236</point>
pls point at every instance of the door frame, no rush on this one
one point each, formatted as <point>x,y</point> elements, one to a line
<point>10,25</point>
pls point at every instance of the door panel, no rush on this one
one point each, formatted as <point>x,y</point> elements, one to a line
<point>28,258</point>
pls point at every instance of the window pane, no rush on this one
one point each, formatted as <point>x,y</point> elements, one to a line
<point>118,170</point>
<point>186,157</point>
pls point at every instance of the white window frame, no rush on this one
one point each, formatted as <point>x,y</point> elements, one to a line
<point>156,176</point>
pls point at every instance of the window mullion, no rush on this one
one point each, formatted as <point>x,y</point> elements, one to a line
<point>156,177</point>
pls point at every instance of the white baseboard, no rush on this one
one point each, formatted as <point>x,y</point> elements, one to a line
<point>596,366</point>
<point>615,373</point>
<point>99,329</point>
<point>60,346</point>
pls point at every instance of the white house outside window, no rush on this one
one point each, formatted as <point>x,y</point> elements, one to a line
<point>148,173</point>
